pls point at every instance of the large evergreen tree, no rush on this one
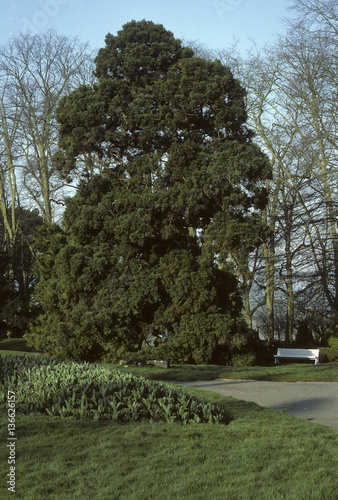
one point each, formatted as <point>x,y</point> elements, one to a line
<point>146,239</point>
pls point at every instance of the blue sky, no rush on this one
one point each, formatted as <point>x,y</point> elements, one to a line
<point>213,23</point>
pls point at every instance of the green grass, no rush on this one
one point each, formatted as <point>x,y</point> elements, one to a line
<point>326,372</point>
<point>260,454</point>
<point>16,347</point>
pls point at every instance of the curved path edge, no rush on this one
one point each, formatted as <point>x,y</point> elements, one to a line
<point>313,401</point>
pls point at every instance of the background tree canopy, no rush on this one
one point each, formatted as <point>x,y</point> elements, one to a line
<point>171,183</point>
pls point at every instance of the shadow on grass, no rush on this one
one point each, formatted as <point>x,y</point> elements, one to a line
<point>16,345</point>
<point>178,373</point>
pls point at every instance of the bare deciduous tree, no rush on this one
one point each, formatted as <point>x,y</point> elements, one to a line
<point>39,70</point>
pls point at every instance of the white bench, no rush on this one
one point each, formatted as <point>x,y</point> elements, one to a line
<point>297,354</point>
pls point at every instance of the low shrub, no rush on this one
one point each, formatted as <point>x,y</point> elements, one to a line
<point>333,341</point>
<point>237,349</point>
<point>248,359</point>
<point>69,389</point>
<point>329,354</point>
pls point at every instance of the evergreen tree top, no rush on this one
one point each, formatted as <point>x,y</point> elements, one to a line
<point>139,52</point>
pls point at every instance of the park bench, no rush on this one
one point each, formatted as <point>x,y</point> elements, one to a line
<point>297,354</point>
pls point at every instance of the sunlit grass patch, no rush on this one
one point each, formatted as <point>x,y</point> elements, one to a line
<point>260,454</point>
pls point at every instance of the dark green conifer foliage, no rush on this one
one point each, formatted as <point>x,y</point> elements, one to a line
<point>144,236</point>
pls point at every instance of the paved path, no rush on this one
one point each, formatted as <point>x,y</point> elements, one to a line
<point>314,401</point>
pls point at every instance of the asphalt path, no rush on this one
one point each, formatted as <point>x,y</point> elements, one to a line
<point>314,401</point>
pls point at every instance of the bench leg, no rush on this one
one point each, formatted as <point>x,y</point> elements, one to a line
<point>276,361</point>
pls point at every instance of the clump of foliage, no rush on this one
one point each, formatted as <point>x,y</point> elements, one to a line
<point>238,349</point>
<point>333,337</point>
<point>82,391</point>
<point>329,354</point>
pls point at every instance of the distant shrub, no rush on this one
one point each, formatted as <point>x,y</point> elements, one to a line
<point>248,359</point>
<point>333,341</point>
<point>243,347</point>
<point>329,354</point>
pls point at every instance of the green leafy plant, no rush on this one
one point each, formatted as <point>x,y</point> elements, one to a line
<point>83,391</point>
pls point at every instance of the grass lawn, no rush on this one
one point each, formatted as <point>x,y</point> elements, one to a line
<point>16,347</point>
<point>289,372</point>
<point>260,454</point>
